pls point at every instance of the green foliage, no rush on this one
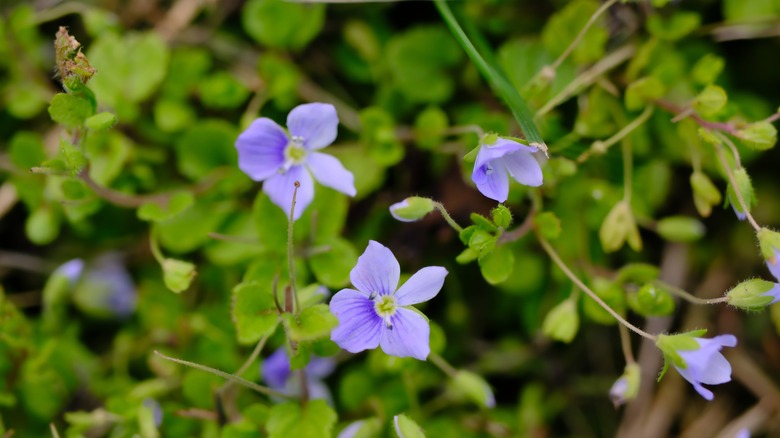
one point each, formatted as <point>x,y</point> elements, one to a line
<point>313,420</point>
<point>283,25</point>
<point>562,322</point>
<point>564,26</point>
<point>405,427</point>
<point>254,311</point>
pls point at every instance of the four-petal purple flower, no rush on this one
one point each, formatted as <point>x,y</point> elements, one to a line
<point>376,314</point>
<point>707,364</point>
<point>504,158</point>
<point>266,153</point>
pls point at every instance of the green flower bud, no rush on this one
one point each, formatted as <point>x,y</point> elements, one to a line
<point>754,294</point>
<point>474,388</point>
<point>502,217</point>
<point>411,209</point>
<point>711,100</point>
<point>627,386</point>
<point>177,274</point>
<point>759,135</point>
<point>620,227</point>
<point>705,194</point>
<point>769,242</point>
<point>745,187</point>
<point>562,322</point>
<point>680,229</point>
<point>651,300</point>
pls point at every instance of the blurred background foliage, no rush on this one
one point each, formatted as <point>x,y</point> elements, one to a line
<point>184,77</point>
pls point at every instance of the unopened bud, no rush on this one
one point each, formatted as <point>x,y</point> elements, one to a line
<point>411,209</point>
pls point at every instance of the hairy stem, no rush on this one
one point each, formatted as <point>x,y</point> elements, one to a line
<point>440,207</point>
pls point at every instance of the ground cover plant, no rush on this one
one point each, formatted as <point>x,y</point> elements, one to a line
<point>437,218</point>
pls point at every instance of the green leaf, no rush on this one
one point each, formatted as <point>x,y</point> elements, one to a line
<point>155,212</point>
<point>172,115</point>
<point>680,229</point>
<point>101,121</point>
<point>42,226</point>
<point>291,419</point>
<point>254,312</point>
<point>637,273</point>
<point>710,101</point>
<point>314,322</point>
<point>548,224</point>
<point>429,127</point>
<point>177,274</point>
<point>26,150</point>
<point>562,322</point>
<point>759,136</point>
<point>283,25</point>
<point>497,266</point>
<point>377,134</point>
<point>204,147</point>
<point>564,26</point>
<point>642,92</point>
<point>707,69</point>
<point>332,266</point>
<point>405,427</point>
<point>675,27</point>
<point>69,110</point>
<point>129,68</point>
<point>705,193</point>
<point>619,227</point>
<point>474,388</point>
<point>222,91</point>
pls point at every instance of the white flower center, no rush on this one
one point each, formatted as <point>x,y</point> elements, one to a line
<point>294,153</point>
<point>489,169</point>
<point>384,306</point>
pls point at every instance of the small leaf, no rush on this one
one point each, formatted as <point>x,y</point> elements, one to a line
<point>314,322</point>
<point>710,101</point>
<point>474,388</point>
<point>680,229</point>
<point>70,110</point>
<point>497,266</point>
<point>618,227</point>
<point>405,427</point>
<point>759,136</point>
<point>178,274</point>
<point>562,322</point>
<point>548,224</point>
<point>314,419</point>
<point>101,121</point>
<point>154,212</point>
<point>642,92</point>
<point>254,312</point>
<point>332,266</point>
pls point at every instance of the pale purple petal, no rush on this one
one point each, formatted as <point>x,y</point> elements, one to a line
<point>281,186</point>
<point>376,270</point>
<point>523,168</point>
<point>740,214</point>
<point>329,171</point>
<point>351,430</point>
<point>422,286</point>
<point>276,369</point>
<point>359,325</point>
<point>707,364</point>
<point>743,433</point>
<point>261,149</point>
<point>774,293</point>
<point>108,272</point>
<point>157,412</point>
<point>409,336</point>
<point>492,180</point>
<point>618,391</point>
<point>774,267</point>
<point>317,123</point>
<point>318,390</point>
<point>500,148</point>
<point>320,367</point>
<point>71,270</point>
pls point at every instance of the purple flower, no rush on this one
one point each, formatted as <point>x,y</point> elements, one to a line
<point>706,364</point>
<point>266,153</point>
<point>497,161</point>
<point>71,270</point>
<point>106,288</point>
<point>277,374</point>
<point>743,433</point>
<point>376,314</point>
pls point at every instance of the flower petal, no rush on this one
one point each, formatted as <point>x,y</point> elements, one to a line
<point>500,148</point>
<point>329,171</point>
<point>492,180</point>
<point>422,286</point>
<point>276,369</point>
<point>320,367</point>
<point>317,123</point>
<point>409,336</point>
<point>281,186</point>
<point>774,293</point>
<point>774,268</point>
<point>523,168</point>
<point>376,270</point>
<point>261,149</point>
<point>359,325</point>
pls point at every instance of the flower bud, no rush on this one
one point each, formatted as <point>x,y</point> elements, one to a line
<point>745,188</point>
<point>754,294</point>
<point>411,209</point>
<point>619,227</point>
<point>705,194</point>
<point>680,229</point>
<point>651,300</point>
<point>405,427</point>
<point>177,274</point>
<point>474,388</point>
<point>769,241</point>
<point>627,386</point>
<point>562,322</point>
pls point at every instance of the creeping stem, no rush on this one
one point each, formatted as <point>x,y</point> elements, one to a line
<point>439,206</point>
<point>231,377</point>
<point>555,258</point>
<point>687,296</point>
<point>249,361</point>
<point>439,361</point>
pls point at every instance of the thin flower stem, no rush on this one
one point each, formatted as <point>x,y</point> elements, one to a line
<point>733,181</point>
<point>154,246</point>
<point>582,33</point>
<point>443,365</point>
<point>689,297</point>
<point>236,379</point>
<point>521,230</point>
<point>601,147</point>
<point>677,110</point>
<point>439,206</point>
<point>588,77</point>
<point>628,171</point>
<point>554,256</point>
<point>733,147</point>
<point>304,386</point>
<point>53,429</point>
<point>465,129</point>
<point>773,118</point>
<point>625,344</point>
<point>249,361</point>
<point>291,249</point>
